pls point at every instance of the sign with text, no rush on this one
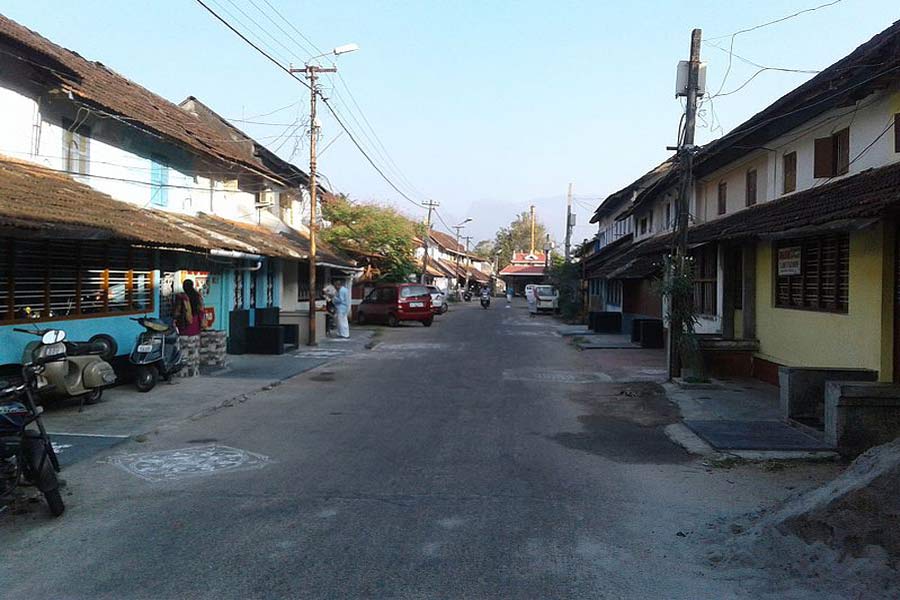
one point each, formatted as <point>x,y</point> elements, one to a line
<point>789,261</point>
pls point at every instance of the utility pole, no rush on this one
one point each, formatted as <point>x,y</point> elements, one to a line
<point>457,228</point>
<point>679,267</point>
<point>312,74</point>
<point>468,238</point>
<point>431,205</point>
<point>570,223</point>
<point>532,230</point>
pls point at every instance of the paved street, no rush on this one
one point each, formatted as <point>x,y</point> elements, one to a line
<point>483,457</point>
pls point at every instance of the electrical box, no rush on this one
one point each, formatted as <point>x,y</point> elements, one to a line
<point>571,219</point>
<point>681,79</point>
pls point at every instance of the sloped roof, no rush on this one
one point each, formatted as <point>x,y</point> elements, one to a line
<point>97,85</point>
<point>519,257</point>
<point>521,270</point>
<point>478,275</point>
<point>646,181</point>
<point>252,151</point>
<point>39,201</point>
<point>447,241</point>
<point>873,65</point>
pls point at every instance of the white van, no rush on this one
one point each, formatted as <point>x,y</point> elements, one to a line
<point>542,297</point>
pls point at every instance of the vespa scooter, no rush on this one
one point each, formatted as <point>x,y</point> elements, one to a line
<point>77,371</point>
<point>156,353</point>
<point>25,453</point>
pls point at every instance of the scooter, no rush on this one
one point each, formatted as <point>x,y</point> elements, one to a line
<point>485,301</point>
<point>156,353</point>
<point>77,371</point>
<point>467,295</point>
<point>27,454</point>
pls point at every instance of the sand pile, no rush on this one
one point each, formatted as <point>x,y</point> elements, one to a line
<point>842,536</point>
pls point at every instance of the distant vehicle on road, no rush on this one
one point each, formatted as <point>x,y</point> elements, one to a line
<point>438,304</point>
<point>392,303</point>
<point>546,297</point>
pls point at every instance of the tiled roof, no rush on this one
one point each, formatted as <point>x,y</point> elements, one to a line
<point>840,204</point>
<point>644,182</point>
<point>521,270</point>
<point>96,85</point>
<point>527,257</point>
<point>873,65</point>
<point>37,201</point>
<point>445,240</point>
<point>479,276</point>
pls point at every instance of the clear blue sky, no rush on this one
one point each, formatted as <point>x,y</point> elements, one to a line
<point>485,106</point>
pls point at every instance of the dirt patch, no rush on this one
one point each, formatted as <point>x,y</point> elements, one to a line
<point>625,423</point>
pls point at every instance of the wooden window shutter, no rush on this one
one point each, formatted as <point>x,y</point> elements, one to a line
<point>751,187</point>
<point>823,162</point>
<point>723,197</point>
<point>841,146</point>
<point>790,172</point>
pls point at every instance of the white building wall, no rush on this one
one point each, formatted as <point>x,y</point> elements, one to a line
<point>122,174</point>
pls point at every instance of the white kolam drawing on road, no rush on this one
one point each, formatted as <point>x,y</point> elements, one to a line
<point>169,465</point>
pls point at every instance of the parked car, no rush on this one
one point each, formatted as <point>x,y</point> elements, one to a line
<point>392,303</point>
<point>438,304</point>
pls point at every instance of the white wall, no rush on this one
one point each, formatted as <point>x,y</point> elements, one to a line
<point>114,170</point>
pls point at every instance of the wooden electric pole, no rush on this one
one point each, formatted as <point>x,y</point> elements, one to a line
<point>680,268</point>
<point>431,205</point>
<point>312,74</point>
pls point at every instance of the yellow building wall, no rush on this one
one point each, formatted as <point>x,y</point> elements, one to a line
<point>862,338</point>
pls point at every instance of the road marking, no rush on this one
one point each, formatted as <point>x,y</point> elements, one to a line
<point>181,463</point>
<point>321,353</point>
<point>554,376</point>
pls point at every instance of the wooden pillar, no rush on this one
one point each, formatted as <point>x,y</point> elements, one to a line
<point>728,292</point>
<point>749,287</point>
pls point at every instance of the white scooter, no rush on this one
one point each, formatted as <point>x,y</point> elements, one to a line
<point>77,371</point>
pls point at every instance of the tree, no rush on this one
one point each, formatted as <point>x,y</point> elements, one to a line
<point>373,230</point>
<point>517,237</point>
<point>484,249</point>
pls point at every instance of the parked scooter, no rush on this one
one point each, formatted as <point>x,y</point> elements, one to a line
<point>25,453</point>
<point>467,295</point>
<point>78,369</point>
<point>156,353</point>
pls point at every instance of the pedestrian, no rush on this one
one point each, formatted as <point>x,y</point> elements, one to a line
<point>188,309</point>
<point>342,309</point>
<point>509,294</point>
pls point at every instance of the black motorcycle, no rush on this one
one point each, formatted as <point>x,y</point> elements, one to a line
<point>27,454</point>
<point>467,295</point>
<point>485,301</point>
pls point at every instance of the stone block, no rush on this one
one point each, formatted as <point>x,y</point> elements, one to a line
<point>861,415</point>
<point>802,389</point>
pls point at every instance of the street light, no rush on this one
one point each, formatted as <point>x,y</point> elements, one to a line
<point>312,73</point>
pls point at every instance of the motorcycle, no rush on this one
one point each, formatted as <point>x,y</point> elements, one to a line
<point>156,353</point>
<point>27,454</point>
<point>78,369</point>
<point>467,296</point>
<point>485,301</point>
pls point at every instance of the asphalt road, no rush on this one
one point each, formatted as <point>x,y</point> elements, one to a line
<point>478,458</point>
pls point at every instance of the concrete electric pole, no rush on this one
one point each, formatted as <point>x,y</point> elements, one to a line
<point>679,267</point>
<point>570,223</point>
<point>532,230</point>
<point>431,205</point>
<point>311,71</point>
<point>468,238</point>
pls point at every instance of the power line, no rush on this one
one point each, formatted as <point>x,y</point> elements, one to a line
<point>324,100</point>
<point>754,28</point>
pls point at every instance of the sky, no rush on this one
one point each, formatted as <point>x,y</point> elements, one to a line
<point>485,107</point>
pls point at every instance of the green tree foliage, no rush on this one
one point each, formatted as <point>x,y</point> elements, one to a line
<point>566,277</point>
<point>517,237</point>
<point>484,249</point>
<point>371,229</point>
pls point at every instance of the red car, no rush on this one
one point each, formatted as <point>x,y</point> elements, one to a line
<point>392,303</point>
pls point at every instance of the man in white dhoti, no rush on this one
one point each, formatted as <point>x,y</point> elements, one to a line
<point>342,309</point>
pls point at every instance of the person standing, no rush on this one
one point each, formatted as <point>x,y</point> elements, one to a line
<point>188,309</point>
<point>342,309</point>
